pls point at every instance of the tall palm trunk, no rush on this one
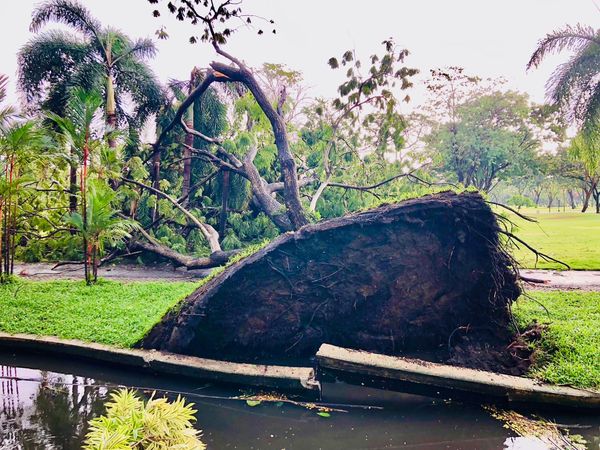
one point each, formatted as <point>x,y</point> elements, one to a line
<point>111,111</point>
<point>8,218</point>
<point>72,186</point>
<point>156,181</point>
<point>86,249</point>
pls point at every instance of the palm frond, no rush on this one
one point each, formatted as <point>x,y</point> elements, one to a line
<point>49,59</point>
<point>3,86</point>
<point>571,83</point>
<point>140,49</point>
<point>569,38</point>
<point>137,79</point>
<point>82,106</point>
<point>89,77</point>
<point>68,12</point>
<point>7,113</point>
<point>590,116</point>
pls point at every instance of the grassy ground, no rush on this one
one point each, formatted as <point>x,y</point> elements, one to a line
<point>571,237</point>
<point>570,347</point>
<point>120,314</point>
<point>110,313</point>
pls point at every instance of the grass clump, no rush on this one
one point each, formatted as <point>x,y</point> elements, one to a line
<point>569,350</point>
<point>109,312</point>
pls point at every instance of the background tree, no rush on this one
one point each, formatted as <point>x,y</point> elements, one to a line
<point>490,138</point>
<point>584,151</point>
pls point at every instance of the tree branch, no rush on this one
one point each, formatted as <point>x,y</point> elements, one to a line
<point>211,235</point>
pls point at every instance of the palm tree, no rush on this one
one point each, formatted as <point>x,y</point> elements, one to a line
<point>574,85</point>
<point>19,144</point>
<point>76,132</point>
<point>95,58</point>
<point>100,224</point>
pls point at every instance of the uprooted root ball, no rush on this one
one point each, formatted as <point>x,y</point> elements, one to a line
<point>413,277</point>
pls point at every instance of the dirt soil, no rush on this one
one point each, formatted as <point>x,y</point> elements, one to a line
<point>423,277</point>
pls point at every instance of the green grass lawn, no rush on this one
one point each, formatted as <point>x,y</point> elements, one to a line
<point>109,313</point>
<point>570,347</point>
<point>571,237</point>
<point>120,314</point>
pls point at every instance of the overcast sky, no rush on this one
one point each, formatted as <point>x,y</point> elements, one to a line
<point>490,38</point>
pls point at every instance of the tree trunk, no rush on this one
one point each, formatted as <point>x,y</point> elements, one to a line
<point>571,198</point>
<point>189,262</point>
<point>86,249</point>
<point>72,187</point>
<point>111,112</point>
<point>156,180</point>
<point>587,193</point>
<point>224,203</point>
<point>289,173</point>
<point>187,164</point>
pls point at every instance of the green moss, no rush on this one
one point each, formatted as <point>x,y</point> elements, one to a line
<point>569,351</point>
<point>109,312</point>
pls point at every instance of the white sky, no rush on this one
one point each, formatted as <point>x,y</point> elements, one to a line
<point>487,37</point>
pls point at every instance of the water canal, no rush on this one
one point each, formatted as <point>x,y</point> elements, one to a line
<point>46,404</point>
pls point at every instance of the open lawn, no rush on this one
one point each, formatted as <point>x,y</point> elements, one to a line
<point>110,312</point>
<point>571,237</point>
<point>569,352</point>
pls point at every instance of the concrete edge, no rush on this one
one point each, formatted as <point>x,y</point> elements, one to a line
<point>363,365</point>
<point>268,376</point>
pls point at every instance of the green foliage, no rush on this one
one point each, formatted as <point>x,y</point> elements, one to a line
<point>491,138</point>
<point>103,225</point>
<point>521,201</point>
<point>568,352</point>
<point>131,423</point>
<point>584,149</point>
<point>109,312</point>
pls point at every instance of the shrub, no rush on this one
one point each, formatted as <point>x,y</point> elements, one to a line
<point>130,423</point>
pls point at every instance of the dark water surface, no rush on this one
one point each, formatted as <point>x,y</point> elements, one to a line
<point>45,403</point>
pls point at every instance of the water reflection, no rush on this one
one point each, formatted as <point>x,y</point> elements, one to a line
<point>50,410</point>
<point>44,410</point>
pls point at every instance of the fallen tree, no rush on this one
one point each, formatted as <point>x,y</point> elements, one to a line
<point>410,277</point>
